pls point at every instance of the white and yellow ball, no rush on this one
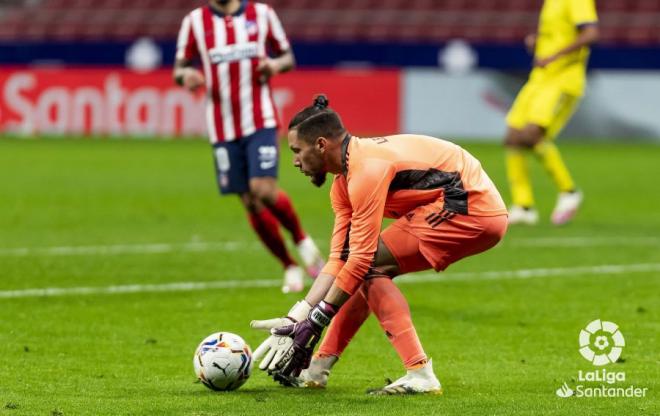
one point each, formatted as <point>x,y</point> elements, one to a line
<point>223,361</point>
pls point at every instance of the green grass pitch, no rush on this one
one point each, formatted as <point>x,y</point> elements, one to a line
<point>502,327</point>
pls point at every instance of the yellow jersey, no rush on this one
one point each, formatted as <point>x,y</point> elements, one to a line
<point>558,27</point>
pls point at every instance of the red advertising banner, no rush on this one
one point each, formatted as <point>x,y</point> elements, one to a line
<point>120,102</point>
<point>369,102</point>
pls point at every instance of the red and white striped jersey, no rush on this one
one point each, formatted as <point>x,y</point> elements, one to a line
<point>229,48</point>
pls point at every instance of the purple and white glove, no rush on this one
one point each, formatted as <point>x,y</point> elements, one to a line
<point>306,335</point>
<point>274,347</point>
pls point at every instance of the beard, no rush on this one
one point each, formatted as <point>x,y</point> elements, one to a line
<point>319,179</point>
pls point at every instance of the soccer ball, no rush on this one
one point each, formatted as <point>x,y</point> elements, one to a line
<point>223,361</point>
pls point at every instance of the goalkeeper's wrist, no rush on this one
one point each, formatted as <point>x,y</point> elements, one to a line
<point>322,314</point>
<point>299,311</point>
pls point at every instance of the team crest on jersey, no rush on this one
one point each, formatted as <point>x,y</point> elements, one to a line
<point>251,27</point>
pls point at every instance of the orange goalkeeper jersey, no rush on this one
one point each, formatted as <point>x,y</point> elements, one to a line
<point>389,177</point>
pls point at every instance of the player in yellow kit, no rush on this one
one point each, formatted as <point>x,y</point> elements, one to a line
<point>545,104</point>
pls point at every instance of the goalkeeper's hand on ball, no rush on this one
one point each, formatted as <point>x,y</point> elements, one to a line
<point>305,336</point>
<point>274,347</point>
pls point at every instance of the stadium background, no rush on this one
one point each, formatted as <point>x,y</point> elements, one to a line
<point>117,256</point>
<point>444,67</point>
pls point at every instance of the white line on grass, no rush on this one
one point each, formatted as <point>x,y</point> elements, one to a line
<point>533,273</point>
<point>583,241</point>
<point>105,250</point>
<point>609,269</point>
<point>160,248</point>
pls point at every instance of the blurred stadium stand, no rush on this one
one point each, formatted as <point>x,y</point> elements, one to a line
<point>75,66</point>
<point>346,29</point>
<point>629,22</point>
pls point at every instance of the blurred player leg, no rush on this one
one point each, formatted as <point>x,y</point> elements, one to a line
<point>549,155</point>
<point>267,228</point>
<point>280,205</point>
<point>262,151</point>
<point>231,163</point>
<point>522,209</point>
<point>283,209</point>
<point>569,198</point>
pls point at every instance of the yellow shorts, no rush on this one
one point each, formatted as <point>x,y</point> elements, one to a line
<point>543,104</point>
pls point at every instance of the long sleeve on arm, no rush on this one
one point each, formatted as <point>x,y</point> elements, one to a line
<point>341,206</point>
<point>368,184</point>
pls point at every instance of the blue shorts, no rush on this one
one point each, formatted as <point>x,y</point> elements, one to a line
<point>252,156</point>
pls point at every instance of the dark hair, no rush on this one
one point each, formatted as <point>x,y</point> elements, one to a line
<point>317,120</point>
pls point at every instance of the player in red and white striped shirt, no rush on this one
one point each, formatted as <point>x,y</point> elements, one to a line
<point>234,40</point>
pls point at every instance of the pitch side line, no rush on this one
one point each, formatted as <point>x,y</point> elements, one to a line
<point>607,269</point>
<point>582,241</point>
<point>101,250</point>
<point>160,248</point>
<point>533,273</point>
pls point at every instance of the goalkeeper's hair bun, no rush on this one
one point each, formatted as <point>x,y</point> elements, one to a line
<point>321,102</point>
<point>317,120</point>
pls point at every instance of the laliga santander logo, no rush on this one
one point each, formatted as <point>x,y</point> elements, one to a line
<point>601,342</point>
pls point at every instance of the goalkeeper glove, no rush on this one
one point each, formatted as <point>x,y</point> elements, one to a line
<point>275,346</point>
<point>305,335</point>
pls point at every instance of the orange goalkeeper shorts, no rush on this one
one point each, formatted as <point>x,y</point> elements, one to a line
<point>430,237</point>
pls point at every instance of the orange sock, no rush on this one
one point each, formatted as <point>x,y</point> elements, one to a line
<point>385,299</point>
<point>345,325</point>
<point>391,308</point>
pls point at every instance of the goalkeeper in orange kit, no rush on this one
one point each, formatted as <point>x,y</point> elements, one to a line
<point>446,208</point>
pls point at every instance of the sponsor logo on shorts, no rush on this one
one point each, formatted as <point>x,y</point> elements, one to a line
<point>267,157</point>
<point>222,159</point>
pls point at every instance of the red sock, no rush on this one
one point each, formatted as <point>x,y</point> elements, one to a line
<point>345,325</point>
<point>391,308</point>
<point>268,230</point>
<point>283,210</point>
